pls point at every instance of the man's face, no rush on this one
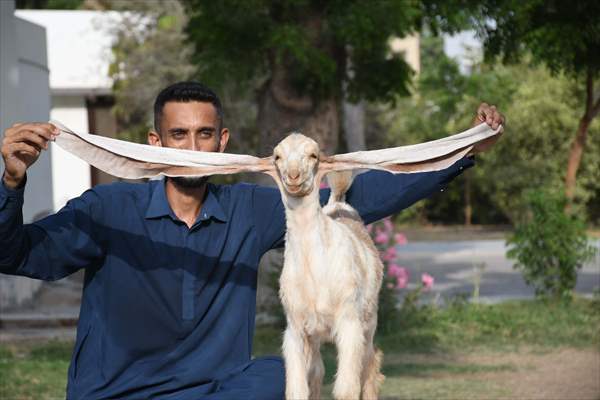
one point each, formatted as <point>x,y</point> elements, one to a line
<point>191,126</point>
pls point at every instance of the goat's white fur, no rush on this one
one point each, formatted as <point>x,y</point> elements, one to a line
<point>330,280</point>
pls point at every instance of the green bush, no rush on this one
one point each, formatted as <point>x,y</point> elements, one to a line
<point>550,246</point>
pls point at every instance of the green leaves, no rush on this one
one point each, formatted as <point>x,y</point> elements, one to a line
<point>563,35</point>
<point>550,246</point>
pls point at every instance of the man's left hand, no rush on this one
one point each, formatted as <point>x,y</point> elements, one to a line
<point>489,115</point>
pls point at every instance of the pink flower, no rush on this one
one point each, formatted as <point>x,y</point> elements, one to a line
<point>370,228</point>
<point>400,239</point>
<point>387,223</point>
<point>400,273</point>
<point>390,254</point>
<point>402,281</point>
<point>427,281</point>
<point>394,270</point>
<point>382,238</point>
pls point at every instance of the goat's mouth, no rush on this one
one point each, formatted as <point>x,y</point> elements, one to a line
<point>297,190</point>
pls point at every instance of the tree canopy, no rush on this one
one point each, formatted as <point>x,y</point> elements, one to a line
<point>564,35</point>
<point>313,40</point>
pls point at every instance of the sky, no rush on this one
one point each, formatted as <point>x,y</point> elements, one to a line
<point>461,47</point>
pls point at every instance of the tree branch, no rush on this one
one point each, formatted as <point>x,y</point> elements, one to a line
<point>595,109</point>
<point>589,85</point>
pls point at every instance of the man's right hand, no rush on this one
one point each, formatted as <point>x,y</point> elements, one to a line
<point>21,147</point>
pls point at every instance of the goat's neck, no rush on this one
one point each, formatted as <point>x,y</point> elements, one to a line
<point>303,214</point>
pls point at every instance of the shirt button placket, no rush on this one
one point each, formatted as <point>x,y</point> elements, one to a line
<point>188,284</point>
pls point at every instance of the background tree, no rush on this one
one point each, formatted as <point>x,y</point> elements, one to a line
<point>296,53</point>
<point>565,36</point>
<point>442,103</point>
<point>149,52</point>
<point>542,111</point>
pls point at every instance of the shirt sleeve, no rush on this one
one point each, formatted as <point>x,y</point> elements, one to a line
<point>269,214</point>
<point>53,247</point>
<point>378,194</point>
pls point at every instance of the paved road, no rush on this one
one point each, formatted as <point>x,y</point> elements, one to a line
<point>452,264</point>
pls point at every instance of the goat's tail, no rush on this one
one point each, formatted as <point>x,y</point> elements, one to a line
<point>339,182</point>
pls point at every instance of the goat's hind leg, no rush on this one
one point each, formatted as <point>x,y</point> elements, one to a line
<point>372,377</point>
<point>350,342</point>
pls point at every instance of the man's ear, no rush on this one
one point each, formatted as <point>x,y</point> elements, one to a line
<point>154,138</point>
<point>223,140</point>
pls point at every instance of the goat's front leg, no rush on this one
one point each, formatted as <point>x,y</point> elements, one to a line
<point>316,369</point>
<point>350,344</point>
<point>296,364</point>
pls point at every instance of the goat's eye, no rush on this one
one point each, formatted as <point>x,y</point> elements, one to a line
<point>313,156</point>
<point>277,158</point>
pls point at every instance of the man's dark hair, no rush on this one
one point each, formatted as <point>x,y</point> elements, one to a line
<point>186,92</point>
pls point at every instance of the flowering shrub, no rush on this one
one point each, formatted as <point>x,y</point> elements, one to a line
<point>396,277</point>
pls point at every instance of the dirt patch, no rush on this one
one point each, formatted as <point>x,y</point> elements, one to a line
<point>563,374</point>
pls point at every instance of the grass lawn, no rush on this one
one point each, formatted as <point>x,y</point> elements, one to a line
<point>523,349</point>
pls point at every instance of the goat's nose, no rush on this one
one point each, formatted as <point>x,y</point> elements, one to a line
<point>294,173</point>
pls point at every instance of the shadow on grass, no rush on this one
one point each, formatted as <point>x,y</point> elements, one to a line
<point>428,369</point>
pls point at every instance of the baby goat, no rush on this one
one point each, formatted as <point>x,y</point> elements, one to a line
<point>330,280</point>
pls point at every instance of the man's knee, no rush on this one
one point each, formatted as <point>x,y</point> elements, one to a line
<point>270,373</point>
<point>262,379</point>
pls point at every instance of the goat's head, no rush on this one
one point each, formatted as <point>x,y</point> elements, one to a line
<point>296,160</point>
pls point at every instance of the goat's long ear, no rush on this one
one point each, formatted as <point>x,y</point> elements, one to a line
<point>134,161</point>
<point>429,156</point>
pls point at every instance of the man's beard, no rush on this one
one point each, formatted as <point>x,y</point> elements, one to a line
<point>189,182</point>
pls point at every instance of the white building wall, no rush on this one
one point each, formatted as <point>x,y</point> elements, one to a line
<point>79,54</point>
<point>70,175</point>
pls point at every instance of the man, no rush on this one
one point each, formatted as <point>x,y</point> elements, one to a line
<point>169,296</point>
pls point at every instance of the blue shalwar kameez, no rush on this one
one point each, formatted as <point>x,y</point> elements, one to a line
<point>168,311</point>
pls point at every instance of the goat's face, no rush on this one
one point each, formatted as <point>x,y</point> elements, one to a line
<point>296,159</point>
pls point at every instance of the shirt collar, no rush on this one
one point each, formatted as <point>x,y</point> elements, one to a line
<point>212,207</point>
<point>159,205</point>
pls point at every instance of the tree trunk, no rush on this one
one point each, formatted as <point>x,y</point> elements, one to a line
<point>354,125</point>
<point>468,203</point>
<point>282,111</point>
<point>575,153</point>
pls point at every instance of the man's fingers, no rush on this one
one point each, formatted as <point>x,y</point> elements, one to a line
<point>46,130</point>
<point>482,107</point>
<point>43,129</point>
<point>22,147</point>
<point>32,138</point>
<point>495,119</point>
<point>489,115</point>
